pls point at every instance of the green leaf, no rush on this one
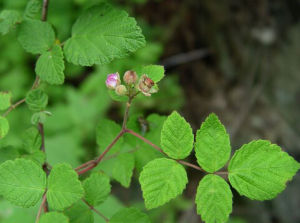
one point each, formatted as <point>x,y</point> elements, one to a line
<point>114,96</point>
<point>8,18</point>
<point>33,9</point>
<point>64,188</point>
<point>162,180</point>
<point>79,213</point>
<point>123,169</point>
<point>127,215</point>
<point>5,100</point>
<point>8,153</point>
<point>50,66</point>
<point>177,139</point>
<point>260,170</point>
<point>102,34</point>
<point>32,140</point>
<point>22,182</point>
<point>4,127</point>
<point>36,100</point>
<point>97,188</point>
<point>106,132</point>
<point>51,217</point>
<point>154,72</point>
<point>214,199</point>
<point>212,145</point>
<point>36,36</point>
<point>38,157</point>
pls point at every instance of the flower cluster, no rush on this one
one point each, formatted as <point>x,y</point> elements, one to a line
<point>133,84</point>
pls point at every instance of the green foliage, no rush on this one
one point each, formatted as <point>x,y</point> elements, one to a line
<point>64,188</point>
<point>32,140</point>
<point>5,100</point>
<point>50,66</point>
<point>260,170</point>
<point>214,199</point>
<point>155,72</point>
<point>8,18</point>
<point>106,34</point>
<point>22,182</point>
<point>123,169</point>
<point>162,180</point>
<point>212,145</point>
<point>4,127</point>
<point>51,217</point>
<point>36,36</point>
<point>130,215</point>
<point>177,137</point>
<point>106,132</point>
<point>36,100</point>
<point>79,213</point>
<point>97,188</point>
<point>33,9</point>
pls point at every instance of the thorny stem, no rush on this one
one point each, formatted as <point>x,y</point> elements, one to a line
<point>96,211</point>
<point>41,208</point>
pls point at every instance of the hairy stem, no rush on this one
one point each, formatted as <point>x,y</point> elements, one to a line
<point>96,211</point>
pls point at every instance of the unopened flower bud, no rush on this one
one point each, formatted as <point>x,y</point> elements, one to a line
<point>121,90</point>
<point>130,77</point>
<point>146,85</point>
<point>113,80</point>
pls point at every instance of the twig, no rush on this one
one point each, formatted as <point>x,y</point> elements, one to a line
<point>12,107</point>
<point>45,10</point>
<point>41,208</point>
<point>41,129</point>
<point>96,211</point>
<point>126,113</point>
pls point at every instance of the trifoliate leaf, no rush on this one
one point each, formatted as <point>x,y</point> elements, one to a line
<point>154,72</point>
<point>162,180</point>
<point>177,139</point>
<point>36,100</point>
<point>33,9</point>
<point>52,217</point>
<point>22,182</point>
<point>260,170</point>
<point>50,66</point>
<point>214,199</point>
<point>106,132</point>
<point>123,169</point>
<point>101,34</point>
<point>4,127</point>
<point>8,18</point>
<point>36,36</point>
<point>97,188</point>
<point>212,145</point>
<point>32,140</point>
<point>5,100</point>
<point>79,213</point>
<point>64,188</point>
<point>127,215</point>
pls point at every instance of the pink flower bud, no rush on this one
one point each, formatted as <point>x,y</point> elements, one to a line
<point>121,90</point>
<point>130,77</point>
<point>113,80</point>
<point>146,85</point>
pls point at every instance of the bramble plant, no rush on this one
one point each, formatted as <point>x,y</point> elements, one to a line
<point>258,170</point>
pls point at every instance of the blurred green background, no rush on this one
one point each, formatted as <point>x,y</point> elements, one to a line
<point>239,59</point>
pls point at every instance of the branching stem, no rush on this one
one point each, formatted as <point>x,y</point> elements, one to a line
<point>96,211</point>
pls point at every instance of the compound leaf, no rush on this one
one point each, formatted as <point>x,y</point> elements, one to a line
<point>64,188</point>
<point>97,188</point>
<point>260,170</point>
<point>50,66</point>
<point>177,137</point>
<point>51,217</point>
<point>5,100</point>
<point>22,182</point>
<point>102,34</point>
<point>162,179</point>
<point>212,145</point>
<point>130,215</point>
<point>36,36</point>
<point>214,199</point>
